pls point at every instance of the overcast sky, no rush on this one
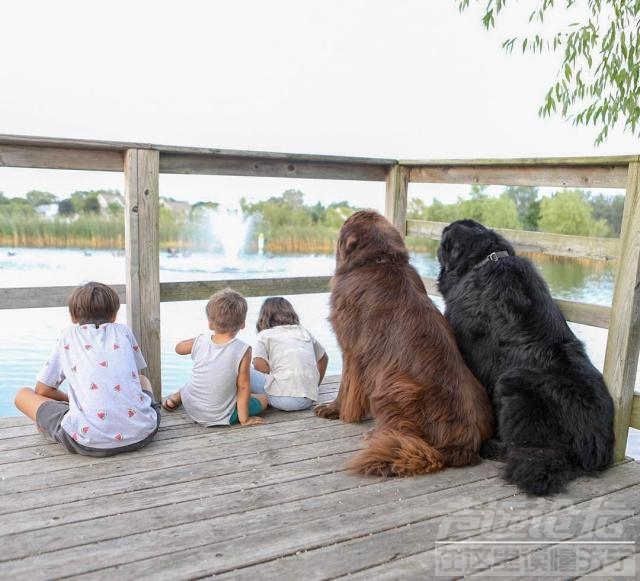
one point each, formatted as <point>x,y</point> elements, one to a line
<point>404,79</point>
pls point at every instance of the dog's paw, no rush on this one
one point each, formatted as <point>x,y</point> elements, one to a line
<point>327,411</point>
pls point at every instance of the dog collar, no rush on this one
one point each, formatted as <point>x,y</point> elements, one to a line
<point>493,257</point>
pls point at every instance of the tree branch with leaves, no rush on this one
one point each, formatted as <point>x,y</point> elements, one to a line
<point>599,78</point>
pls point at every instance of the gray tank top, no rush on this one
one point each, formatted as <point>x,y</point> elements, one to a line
<point>210,395</point>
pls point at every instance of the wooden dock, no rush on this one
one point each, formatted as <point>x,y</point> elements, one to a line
<point>274,502</point>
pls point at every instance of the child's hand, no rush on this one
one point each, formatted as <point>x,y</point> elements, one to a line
<point>252,421</point>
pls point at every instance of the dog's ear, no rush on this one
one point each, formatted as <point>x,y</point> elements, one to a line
<point>449,251</point>
<point>347,245</point>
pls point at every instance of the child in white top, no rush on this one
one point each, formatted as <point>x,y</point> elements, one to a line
<point>218,391</point>
<point>109,406</point>
<point>290,360</point>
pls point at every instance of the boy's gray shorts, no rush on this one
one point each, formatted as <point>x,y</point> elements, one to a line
<point>49,423</point>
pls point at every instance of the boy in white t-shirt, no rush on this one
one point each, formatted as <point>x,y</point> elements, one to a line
<point>109,406</point>
<point>218,391</point>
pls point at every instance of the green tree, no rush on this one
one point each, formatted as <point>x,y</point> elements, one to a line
<point>318,214</point>
<point>66,207</point>
<point>16,207</point>
<point>598,82</point>
<point>91,205</point>
<point>337,213</point>
<point>609,209</point>
<point>439,212</point>
<point>417,209</point>
<point>500,212</point>
<point>37,198</point>
<point>527,204</point>
<point>567,212</point>
<point>202,208</point>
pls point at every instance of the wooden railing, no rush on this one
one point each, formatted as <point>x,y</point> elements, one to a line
<point>142,292</point>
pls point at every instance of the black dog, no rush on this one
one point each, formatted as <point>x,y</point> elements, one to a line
<point>554,415</point>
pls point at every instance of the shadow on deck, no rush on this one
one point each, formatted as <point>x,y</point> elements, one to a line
<point>273,501</point>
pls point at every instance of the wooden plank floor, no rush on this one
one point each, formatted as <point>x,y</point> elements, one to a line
<point>274,502</point>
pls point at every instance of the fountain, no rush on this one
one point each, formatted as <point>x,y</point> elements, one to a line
<point>230,229</point>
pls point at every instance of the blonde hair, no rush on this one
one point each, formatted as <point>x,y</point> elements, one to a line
<point>227,311</point>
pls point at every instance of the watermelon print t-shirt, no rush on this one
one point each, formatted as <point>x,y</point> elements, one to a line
<point>107,407</point>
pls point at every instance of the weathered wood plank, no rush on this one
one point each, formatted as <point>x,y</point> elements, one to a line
<point>584,161</point>
<point>202,290</point>
<point>196,555</point>
<point>619,570</point>
<point>142,241</point>
<point>635,412</point>
<point>201,548</point>
<point>535,242</point>
<point>35,473</point>
<point>396,197</point>
<point>595,315</point>
<point>623,343</point>
<point>318,495</point>
<point>583,313</point>
<point>84,509</point>
<point>595,173</point>
<point>249,487</point>
<point>582,518</point>
<point>58,296</point>
<point>502,520</point>
<point>60,158</point>
<point>42,297</point>
<point>33,496</point>
<point>259,166</point>
<point>57,153</point>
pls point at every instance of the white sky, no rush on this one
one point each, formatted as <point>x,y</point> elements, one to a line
<point>404,79</point>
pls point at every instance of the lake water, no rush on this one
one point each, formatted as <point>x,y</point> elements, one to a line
<point>28,335</point>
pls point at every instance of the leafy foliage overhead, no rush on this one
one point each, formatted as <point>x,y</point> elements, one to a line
<point>599,79</point>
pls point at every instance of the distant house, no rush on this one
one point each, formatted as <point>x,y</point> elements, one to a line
<point>181,209</point>
<point>48,211</point>
<point>106,199</point>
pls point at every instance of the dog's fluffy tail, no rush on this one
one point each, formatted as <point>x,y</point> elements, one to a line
<point>393,453</point>
<point>539,471</point>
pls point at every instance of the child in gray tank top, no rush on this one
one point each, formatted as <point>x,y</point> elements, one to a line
<point>218,391</point>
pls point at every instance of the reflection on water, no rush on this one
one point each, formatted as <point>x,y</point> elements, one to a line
<point>579,280</point>
<point>587,281</point>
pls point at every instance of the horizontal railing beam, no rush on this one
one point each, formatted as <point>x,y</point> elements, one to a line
<point>61,158</point>
<point>57,296</point>
<point>270,167</point>
<point>535,242</point>
<point>77,154</point>
<point>257,287</point>
<point>563,172</point>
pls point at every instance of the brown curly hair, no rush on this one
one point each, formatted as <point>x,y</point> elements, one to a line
<point>276,311</point>
<point>93,303</point>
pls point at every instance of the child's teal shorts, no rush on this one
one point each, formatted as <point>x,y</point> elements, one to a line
<point>255,407</point>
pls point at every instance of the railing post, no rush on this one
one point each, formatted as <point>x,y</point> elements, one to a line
<point>623,342</point>
<point>396,197</point>
<point>142,242</point>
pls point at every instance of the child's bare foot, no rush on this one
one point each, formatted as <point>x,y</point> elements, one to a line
<point>173,402</point>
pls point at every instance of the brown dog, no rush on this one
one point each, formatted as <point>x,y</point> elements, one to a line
<point>400,360</point>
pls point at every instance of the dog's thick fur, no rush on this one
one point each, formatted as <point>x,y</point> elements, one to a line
<point>400,360</point>
<point>554,415</point>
